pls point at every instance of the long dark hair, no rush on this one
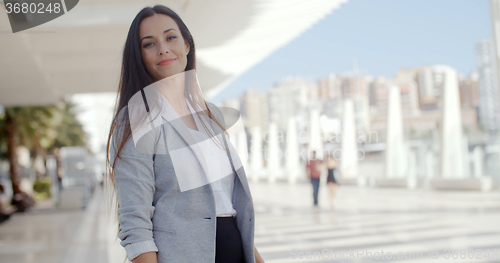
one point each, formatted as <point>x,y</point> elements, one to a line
<point>135,77</point>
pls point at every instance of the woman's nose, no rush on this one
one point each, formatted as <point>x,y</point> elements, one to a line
<point>163,48</point>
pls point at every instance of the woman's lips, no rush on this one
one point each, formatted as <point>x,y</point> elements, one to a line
<point>166,62</point>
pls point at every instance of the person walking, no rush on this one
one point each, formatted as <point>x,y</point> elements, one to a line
<point>313,174</point>
<point>181,191</point>
<point>331,165</point>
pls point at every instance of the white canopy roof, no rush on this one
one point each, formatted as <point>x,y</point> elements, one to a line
<point>80,52</point>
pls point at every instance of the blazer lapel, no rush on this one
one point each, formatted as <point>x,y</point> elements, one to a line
<point>171,116</point>
<point>233,157</point>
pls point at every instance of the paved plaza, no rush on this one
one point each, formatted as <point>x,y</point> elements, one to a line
<point>374,220</point>
<point>416,226</point>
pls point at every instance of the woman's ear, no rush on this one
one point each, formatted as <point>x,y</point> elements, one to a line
<point>187,47</point>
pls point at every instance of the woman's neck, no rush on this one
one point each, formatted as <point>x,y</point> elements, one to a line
<point>172,88</point>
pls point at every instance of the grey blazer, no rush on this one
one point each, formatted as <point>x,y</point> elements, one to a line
<point>155,215</point>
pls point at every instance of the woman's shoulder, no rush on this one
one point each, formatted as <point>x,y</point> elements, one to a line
<point>123,111</point>
<point>121,120</point>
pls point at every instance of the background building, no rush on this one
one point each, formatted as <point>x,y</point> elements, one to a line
<point>255,110</point>
<point>489,111</point>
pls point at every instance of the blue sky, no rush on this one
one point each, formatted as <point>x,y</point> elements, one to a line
<point>382,35</point>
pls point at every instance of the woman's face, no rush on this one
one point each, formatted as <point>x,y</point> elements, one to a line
<point>163,49</point>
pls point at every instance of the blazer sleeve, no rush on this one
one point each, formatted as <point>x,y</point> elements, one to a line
<point>135,187</point>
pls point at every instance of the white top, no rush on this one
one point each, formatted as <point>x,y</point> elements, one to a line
<point>223,188</point>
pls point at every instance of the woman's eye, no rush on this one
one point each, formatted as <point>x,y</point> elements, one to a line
<point>147,44</point>
<point>171,37</point>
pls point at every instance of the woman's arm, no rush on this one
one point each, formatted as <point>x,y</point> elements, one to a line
<point>258,258</point>
<point>135,186</point>
<point>148,257</point>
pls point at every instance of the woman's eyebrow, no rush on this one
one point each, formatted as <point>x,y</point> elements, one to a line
<point>163,33</point>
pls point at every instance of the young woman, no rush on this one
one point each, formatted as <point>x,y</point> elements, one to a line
<point>331,165</point>
<point>165,214</point>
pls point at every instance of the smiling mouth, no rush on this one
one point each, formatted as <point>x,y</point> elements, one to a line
<point>166,62</point>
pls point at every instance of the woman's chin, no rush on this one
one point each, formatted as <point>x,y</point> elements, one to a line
<point>169,73</point>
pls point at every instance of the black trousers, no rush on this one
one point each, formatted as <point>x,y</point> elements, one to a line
<point>229,247</point>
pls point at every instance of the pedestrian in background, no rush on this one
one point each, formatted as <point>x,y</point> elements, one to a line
<point>313,173</point>
<point>331,164</point>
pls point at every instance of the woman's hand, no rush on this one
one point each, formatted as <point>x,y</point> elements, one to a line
<point>258,258</point>
<point>148,257</point>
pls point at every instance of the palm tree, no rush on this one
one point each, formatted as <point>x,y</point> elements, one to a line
<point>69,133</point>
<point>69,130</point>
<point>10,127</point>
<point>39,128</point>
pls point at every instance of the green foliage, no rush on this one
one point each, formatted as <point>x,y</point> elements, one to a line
<point>69,130</point>
<point>40,129</point>
<point>3,138</point>
<point>41,196</point>
<point>42,188</point>
<point>46,127</point>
